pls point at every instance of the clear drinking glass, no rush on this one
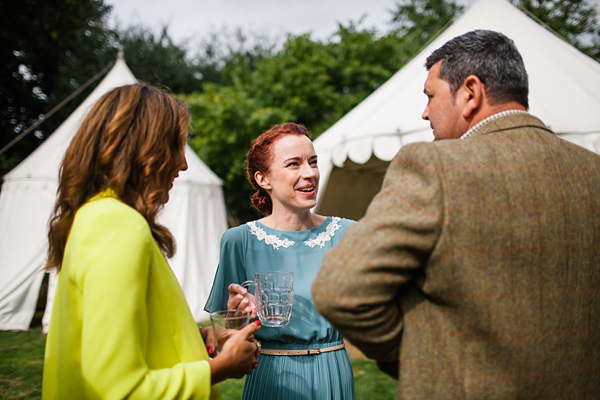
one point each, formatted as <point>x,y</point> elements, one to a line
<point>226,322</point>
<point>274,297</point>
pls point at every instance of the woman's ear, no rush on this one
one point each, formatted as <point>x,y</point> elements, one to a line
<point>474,94</point>
<point>262,180</point>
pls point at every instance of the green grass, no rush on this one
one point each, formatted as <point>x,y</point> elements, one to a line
<point>21,364</point>
<point>22,360</point>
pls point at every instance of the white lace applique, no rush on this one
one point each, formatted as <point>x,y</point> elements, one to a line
<point>326,235</point>
<point>271,240</point>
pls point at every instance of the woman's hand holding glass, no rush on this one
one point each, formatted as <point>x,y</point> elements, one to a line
<point>210,340</point>
<point>238,357</point>
<point>240,299</point>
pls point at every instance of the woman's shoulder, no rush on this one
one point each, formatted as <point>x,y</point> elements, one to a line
<point>236,233</point>
<point>344,222</point>
<point>339,225</point>
<point>111,214</point>
<point>109,206</point>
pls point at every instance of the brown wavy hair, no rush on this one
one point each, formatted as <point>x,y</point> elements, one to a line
<point>260,157</point>
<point>132,141</point>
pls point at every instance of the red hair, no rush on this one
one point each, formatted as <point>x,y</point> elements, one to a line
<point>260,157</point>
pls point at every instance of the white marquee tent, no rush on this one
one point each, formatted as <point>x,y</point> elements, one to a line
<point>195,214</point>
<point>354,152</point>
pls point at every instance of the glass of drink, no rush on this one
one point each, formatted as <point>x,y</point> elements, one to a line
<point>274,297</point>
<point>226,322</point>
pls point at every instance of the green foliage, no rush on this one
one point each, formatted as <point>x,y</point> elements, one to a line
<point>225,122</point>
<point>310,82</point>
<point>418,22</point>
<point>319,82</point>
<point>238,84</point>
<point>574,20</point>
<point>45,55</point>
<point>158,61</point>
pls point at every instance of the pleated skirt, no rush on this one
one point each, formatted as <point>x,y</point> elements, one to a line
<point>326,376</point>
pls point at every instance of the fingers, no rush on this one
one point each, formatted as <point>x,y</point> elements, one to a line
<point>234,288</point>
<point>238,299</point>
<point>249,330</point>
<point>258,347</point>
<point>252,306</point>
<point>210,341</point>
<point>238,302</point>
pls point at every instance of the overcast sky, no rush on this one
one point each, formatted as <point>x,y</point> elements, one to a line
<point>188,19</point>
<point>193,20</point>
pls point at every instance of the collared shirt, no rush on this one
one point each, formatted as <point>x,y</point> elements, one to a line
<point>489,119</point>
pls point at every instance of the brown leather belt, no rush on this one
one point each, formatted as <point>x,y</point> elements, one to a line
<point>305,352</point>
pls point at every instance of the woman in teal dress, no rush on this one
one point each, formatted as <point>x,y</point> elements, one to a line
<point>282,167</point>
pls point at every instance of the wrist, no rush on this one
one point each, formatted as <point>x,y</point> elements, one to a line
<point>218,368</point>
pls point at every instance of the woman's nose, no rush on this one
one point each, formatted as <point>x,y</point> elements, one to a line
<point>308,170</point>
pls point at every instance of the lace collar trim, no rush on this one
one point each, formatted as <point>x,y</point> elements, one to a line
<point>277,242</point>
<point>326,235</point>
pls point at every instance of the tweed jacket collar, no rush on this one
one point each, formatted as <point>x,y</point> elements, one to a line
<point>508,122</point>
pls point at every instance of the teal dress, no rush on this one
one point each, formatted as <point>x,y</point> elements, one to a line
<point>254,247</point>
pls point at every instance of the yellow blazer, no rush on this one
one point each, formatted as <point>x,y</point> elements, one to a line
<point>121,326</point>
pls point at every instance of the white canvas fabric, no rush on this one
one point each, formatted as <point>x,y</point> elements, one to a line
<point>564,93</point>
<point>195,214</point>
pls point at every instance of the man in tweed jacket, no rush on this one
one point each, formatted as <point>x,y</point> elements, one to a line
<point>475,273</point>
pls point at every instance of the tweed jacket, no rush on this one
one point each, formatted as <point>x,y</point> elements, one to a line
<point>475,273</point>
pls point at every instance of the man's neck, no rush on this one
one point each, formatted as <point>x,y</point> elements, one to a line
<point>483,122</point>
<point>487,110</point>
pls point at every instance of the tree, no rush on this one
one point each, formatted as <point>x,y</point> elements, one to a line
<point>310,82</point>
<point>222,55</point>
<point>417,22</point>
<point>574,20</point>
<point>225,121</point>
<point>158,61</point>
<point>48,56</point>
<point>43,59</point>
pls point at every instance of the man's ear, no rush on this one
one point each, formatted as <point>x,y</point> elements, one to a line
<point>474,94</point>
<point>262,180</point>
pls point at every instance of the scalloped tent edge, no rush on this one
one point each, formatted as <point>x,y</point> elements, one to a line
<point>564,87</point>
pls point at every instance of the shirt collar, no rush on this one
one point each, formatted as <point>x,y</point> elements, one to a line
<point>489,119</point>
<point>104,193</point>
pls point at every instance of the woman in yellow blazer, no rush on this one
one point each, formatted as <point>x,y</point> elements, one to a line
<point>121,327</point>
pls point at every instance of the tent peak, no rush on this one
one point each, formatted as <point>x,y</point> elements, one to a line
<point>120,54</point>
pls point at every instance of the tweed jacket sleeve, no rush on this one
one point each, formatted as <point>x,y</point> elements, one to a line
<point>361,281</point>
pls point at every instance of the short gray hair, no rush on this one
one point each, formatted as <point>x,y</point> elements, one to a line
<point>489,55</point>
